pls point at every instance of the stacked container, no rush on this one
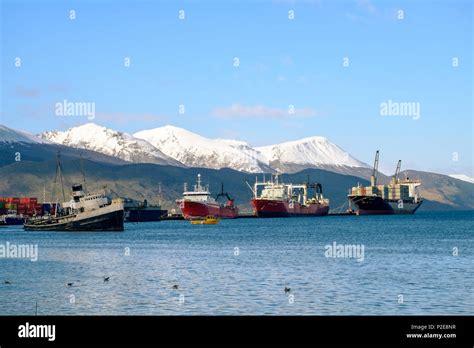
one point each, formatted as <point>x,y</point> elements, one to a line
<point>27,206</point>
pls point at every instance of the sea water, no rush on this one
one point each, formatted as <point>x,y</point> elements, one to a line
<point>334,265</point>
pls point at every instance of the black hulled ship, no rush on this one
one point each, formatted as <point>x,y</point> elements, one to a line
<point>138,211</point>
<point>398,197</point>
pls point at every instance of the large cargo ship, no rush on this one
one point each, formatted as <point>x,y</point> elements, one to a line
<point>199,203</point>
<point>137,211</point>
<point>400,196</point>
<point>288,200</point>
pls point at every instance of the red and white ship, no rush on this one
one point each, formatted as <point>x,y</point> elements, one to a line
<point>288,200</point>
<point>199,203</point>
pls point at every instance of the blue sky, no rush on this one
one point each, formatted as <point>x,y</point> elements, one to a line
<point>283,62</point>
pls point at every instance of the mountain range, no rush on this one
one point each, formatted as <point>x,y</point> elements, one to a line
<point>176,146</point>
<point>110,142</point>
<point>133,165</point>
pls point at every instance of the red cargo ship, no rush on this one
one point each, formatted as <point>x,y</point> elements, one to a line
<point>288,200</point>
<point>199,203</point>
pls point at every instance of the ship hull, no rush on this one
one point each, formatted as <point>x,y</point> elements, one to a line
<point>144,215</point>
<point>370,205</point>
<point>14,221</point>
<point>111,220</point>
<point>273,208</point>
<point>192,210</point>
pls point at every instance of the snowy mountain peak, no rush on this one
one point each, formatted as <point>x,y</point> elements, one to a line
<point>91,136</point>
<point>195,150</point>
<point>463,177</point>
<point>310,152</point>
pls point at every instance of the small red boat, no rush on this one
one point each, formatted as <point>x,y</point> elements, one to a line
<point>199,203</point>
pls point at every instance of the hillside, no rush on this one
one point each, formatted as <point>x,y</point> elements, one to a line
<point>142,181</point>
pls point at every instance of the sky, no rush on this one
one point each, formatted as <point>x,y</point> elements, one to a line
<point>260,71</point>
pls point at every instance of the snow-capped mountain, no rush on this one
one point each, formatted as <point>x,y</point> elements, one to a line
<point>462,177</point>
<point>194,150</point>
<point>177,146</point>
<point>8,135</point>
<point>313,152</point>
<point>110,142</point>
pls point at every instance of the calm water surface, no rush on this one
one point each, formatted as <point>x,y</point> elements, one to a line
<point>242,267</point>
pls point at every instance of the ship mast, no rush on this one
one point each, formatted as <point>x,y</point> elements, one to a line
<point>199,183</point>
<point>82,172</point>
<point>58,174</point>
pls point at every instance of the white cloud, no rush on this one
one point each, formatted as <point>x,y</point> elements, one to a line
<point>237,110</point>
<point>366,5</point>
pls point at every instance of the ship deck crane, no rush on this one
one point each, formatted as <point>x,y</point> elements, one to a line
<point>373,178</point>
<point>397,172</point>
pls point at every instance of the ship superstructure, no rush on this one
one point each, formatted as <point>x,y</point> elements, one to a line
<point>276,199</point>
<point>199,203</point>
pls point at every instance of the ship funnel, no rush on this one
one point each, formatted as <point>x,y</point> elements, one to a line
<point>77,187</point>
<point>77,190</point>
